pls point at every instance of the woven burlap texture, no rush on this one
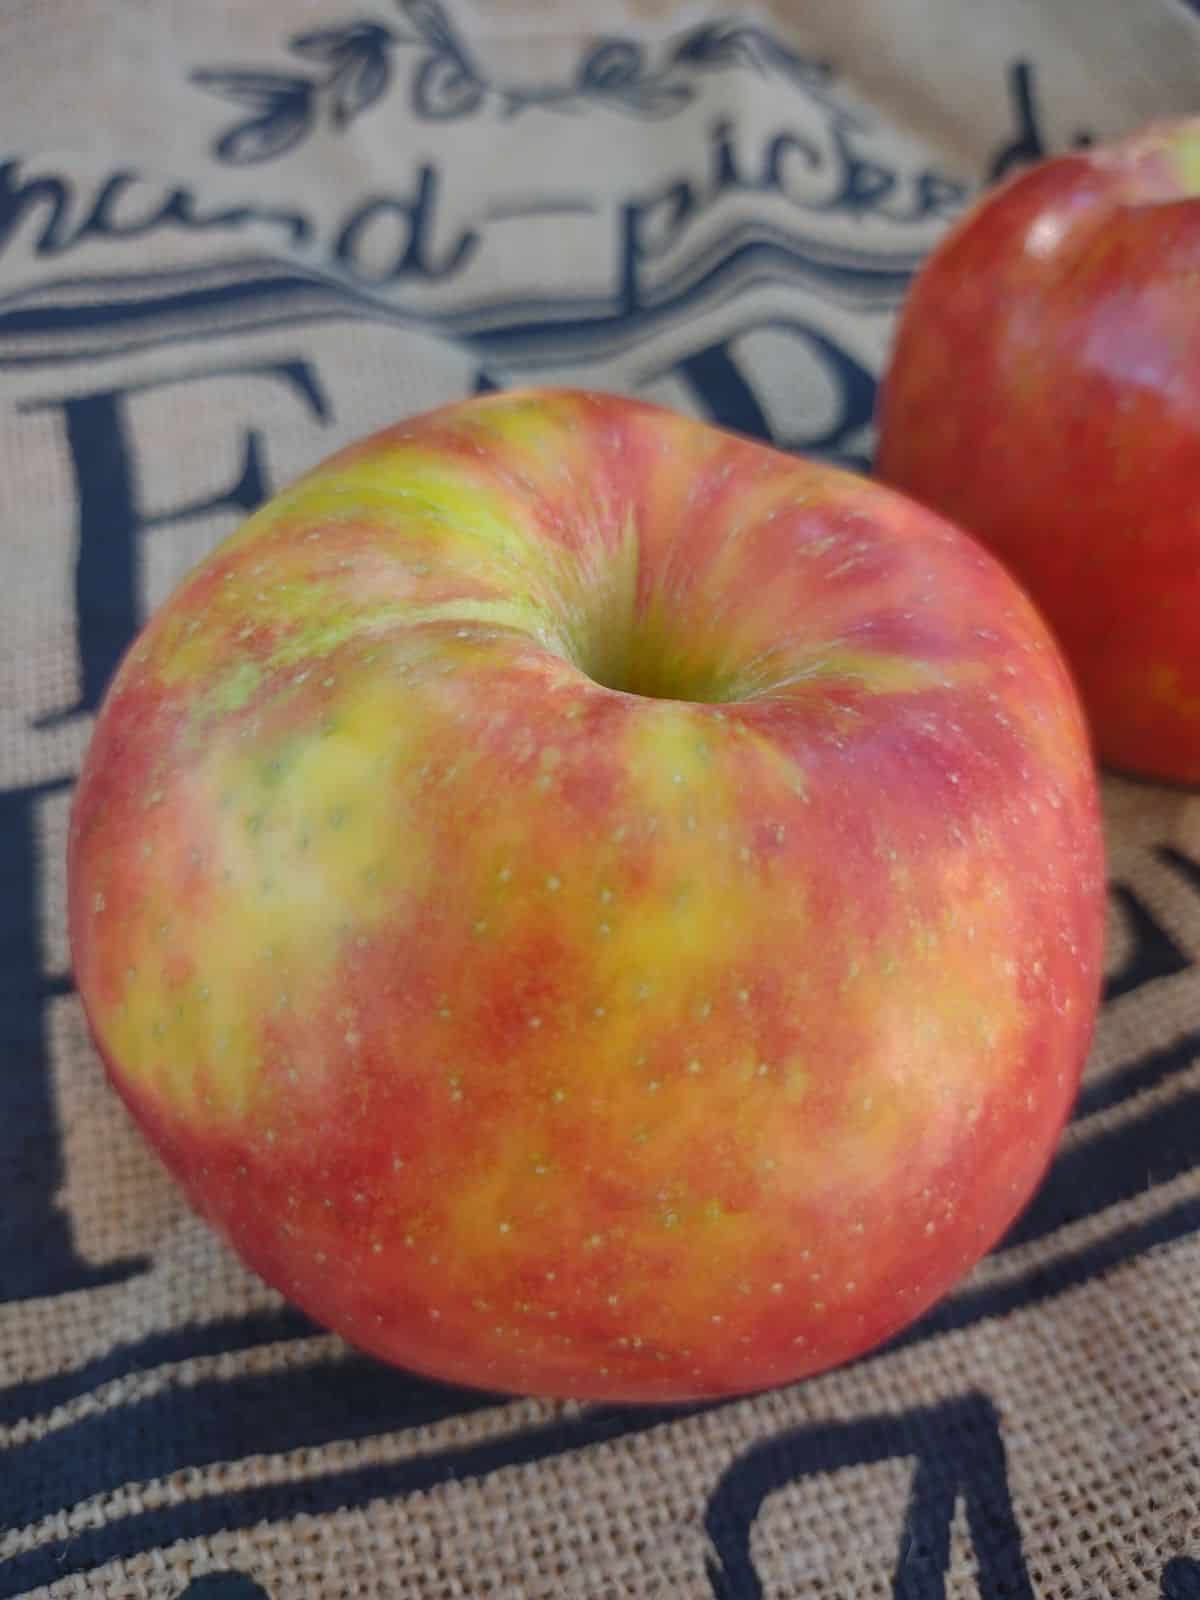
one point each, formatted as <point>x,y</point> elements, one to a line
<point>190,316</point>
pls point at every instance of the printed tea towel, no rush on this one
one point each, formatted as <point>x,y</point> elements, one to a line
<point>233,237</point>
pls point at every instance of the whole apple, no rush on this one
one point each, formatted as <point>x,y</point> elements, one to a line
<point>590,905</point>
<point>1044,392</point>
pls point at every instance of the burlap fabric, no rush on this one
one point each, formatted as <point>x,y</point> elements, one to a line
<point>234,236</point>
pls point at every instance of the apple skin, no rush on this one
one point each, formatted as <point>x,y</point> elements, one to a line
<point>1044,393</point>
<point>590,905</point>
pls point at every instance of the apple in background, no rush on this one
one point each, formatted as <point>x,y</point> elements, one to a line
<point>589,905</point>
<point>1044,393</point>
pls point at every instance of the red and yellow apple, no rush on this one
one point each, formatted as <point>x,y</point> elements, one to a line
<point>1044,393</point>
<point>591,905</point>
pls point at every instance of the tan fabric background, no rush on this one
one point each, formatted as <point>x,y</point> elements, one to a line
<point>233,237</point>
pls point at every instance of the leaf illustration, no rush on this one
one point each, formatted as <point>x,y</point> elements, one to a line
<point>360,86</point>
<point>715,44</point>
<point>337,44</point>
<point>613,64</point>
<point>263,91</point>
<point>359,56</point>
<point>432,24</point>
<point>726,44</point>
<point>284,106</point>
<point>616,70</point>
